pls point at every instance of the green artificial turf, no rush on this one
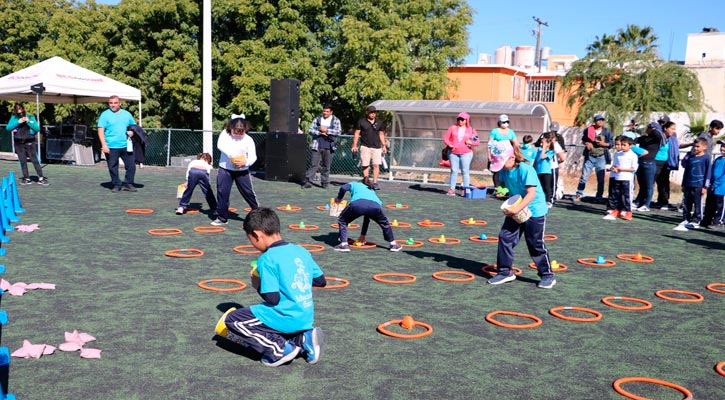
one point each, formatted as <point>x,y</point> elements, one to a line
<point>156,326</point>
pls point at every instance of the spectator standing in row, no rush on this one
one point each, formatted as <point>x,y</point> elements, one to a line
<point>24,127</point>
<point>370,133</point>
<point>559,157</point>
<point>500,133</point>
<point>669,156</point>
<point>324,131</point>
<point>597,140</point>
<point>461,138</point>
<point>116,143</point>
<point>715,128</point>
<point>714,205</point>
<point>694,185</point>
<point>651,141</point>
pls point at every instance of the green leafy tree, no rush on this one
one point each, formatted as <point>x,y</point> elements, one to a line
<point>622,74</point>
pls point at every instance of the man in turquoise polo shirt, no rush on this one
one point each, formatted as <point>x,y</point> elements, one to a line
<point>116,143</point>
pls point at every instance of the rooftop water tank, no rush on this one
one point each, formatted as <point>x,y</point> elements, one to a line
<point>484,58</point>
<point>503,56</point>
<point>525,56</point>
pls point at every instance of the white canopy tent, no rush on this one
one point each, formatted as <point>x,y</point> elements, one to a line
<point>66,83</point>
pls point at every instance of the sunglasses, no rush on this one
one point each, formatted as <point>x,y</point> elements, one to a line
<point>505,122</point>
<point>460,119</point>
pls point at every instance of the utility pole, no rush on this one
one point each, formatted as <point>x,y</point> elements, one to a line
<point>538,42</point>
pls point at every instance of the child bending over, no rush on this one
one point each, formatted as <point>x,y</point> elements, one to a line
<point>198,174</point>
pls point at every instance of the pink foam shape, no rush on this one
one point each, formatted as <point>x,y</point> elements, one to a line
<point>80,338</point>
<point>90,353</point>
<point>43,285</point>
<point>21,285</point>
<point>69,346</point>
<point>29,350</point>
<point>48,350</point>
<point>27,228</point>
<point>4,285</point>
<point>16,290</point>
<point>86,337</point>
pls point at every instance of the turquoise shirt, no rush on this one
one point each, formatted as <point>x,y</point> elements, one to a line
<point>529,152</point>
<point>497,135</point>
<point>517,179</point>
<point>663,153</point>
<point>358,191</point>
<point>637,150</point>
<point>115,125</point>
<point>289,270</point>
<point>543,165</point>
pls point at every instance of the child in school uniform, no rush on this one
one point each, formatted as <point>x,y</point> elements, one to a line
<point>543,166</point>
<point>520,178</point>
<point>282,326</point>
<point>197,173</point>
<point>624,166</point>
<point>714,217</point>
<point>528,149</point>
<point>694,185</point>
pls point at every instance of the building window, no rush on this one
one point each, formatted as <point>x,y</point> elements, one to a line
<point>518,88</point>
<point>541,91</point>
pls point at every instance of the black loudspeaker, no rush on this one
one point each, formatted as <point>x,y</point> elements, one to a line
<point>285,157</point>
<point>284,105</point>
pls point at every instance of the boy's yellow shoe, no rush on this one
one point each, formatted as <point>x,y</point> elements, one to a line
<point>221,327</point>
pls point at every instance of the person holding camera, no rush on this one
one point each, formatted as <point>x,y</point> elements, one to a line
<point>324,131</point>
<point>24,127</point>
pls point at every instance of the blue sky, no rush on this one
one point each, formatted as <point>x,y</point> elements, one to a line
<point>573,25</point>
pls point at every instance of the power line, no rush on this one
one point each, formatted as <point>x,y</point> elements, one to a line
<point>537,59</point>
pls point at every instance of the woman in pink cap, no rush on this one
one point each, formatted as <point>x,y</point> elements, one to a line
<point>461,138</point>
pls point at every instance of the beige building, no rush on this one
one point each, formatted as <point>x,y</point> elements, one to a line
<point>705,55</point>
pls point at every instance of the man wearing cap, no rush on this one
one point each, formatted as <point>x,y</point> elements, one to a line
<point>324,131</point>
<point>597,140</point>
<point>370,132</point>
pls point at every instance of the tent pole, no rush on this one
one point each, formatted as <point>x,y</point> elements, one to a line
<point>37,136</point>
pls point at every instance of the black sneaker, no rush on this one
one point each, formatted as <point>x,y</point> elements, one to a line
<point>43,181</point>
<point>376,186</point>
<point>129,188</point>
<point>25,181</point>
<point>325,185</point>
<point>116,189</point>
<point>307,185</point>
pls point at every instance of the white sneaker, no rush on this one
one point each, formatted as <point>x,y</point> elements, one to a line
<point>643,209</point>
<point>681,227</point>
<point>609,217</point>
<point>180,211</point>
<point>218,222</point>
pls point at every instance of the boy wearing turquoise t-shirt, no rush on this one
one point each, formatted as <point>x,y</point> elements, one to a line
<point>281,327</point>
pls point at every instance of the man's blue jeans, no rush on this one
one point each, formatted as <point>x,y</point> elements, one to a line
<point>598,164</point>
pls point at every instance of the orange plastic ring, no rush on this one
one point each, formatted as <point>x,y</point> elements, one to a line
<point>312,248</point>
<point>242,249</point>
<point>617,387</point>
<point>591,262</point>
<point>140,211</point>
<point>290,209</point>
<point>468,276</point>
<point>711,287</point>
<point>404,243</point>
<point>448,241</point>
<point>184,253</point>
<point>323,208</point>
<point>343,283</point>
<point>638,258</point>
<point>232,209</point>
<point>537,320</point>
<point>364,246</point>
<point>476,222</point>
<point>210,229</point>
<point>608,301</point>
<point>697,296</point>
<point>241,285</point>
<point>493,270</point>
<point>431,224</point>
<point>350,226</point>
<point>191,211</point>
<point>395,206</point>
<point>489,239</point>
<point>165,231</point>
<point>382,329</point>
<point>555,312</point>
<point>561,268</point>
<point>296,227</point>
<point>248,209</point>
<point>720,368</point>
<point>549,237</point>
<point>381,278</point>
<point>400,224</point>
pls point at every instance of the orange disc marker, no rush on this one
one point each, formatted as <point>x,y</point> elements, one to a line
<point>549,237</point>
<point>408,323</point>
<point>312,248</point>
<point>397,206</point>
<point>184,253</point>
<point>349,226</point>
<point>561,267</point>
<point>306,227</point>
<point>493,270</point>
<point>232,209</point>
<point>476,222</point>
<point>555,312</point>
<point>289,208</point>
<point>383,278</point>
<point>618,387</point>
<point>191,211</point>
<point>440,276</point>
<point>491,315</point>
<point>591,261</point>
<point>358,245</point>
<point>205,285</point>
<point>248,209</point>
<point>489,239</point>
<point>382,328</point>
<point>404,243</point>
<point>446,240</point>
<point>638,258</point>
<point>696,297</point>
<point>713,287</point>
<point>343,283</point>
<point>400,224</point>
<point>609,300</point>
<point>165,231</point>
<point>210,229</point>
<point>431,224</point>
<point>243,249</point>
<point>720,368</point>
<point>323,208</point>
<point>140,211</point>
